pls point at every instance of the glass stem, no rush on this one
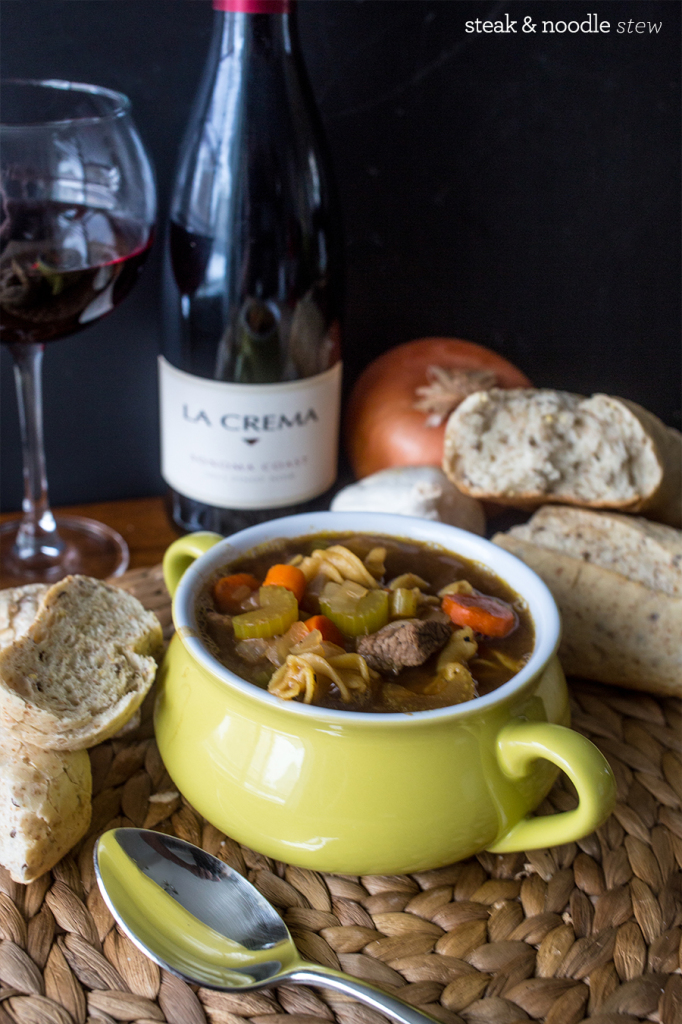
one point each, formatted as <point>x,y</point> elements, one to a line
<point>37,540</point>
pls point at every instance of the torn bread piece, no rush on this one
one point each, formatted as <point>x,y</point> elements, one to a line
<point>44,806</point>
<point>617,581</point>
<point>82,668</point>
<point>526,447</point>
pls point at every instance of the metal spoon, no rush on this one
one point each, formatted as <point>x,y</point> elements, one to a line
<point>204,922</point>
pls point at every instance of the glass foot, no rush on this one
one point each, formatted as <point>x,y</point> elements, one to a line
<point>91,549</point>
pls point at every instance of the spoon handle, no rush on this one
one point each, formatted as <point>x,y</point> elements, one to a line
<point>326,977</point>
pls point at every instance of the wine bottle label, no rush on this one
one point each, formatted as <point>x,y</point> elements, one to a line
<point>253,6</point>
<point>249,446</point>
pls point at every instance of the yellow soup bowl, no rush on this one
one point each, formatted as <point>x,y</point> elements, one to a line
<point>363,793</point>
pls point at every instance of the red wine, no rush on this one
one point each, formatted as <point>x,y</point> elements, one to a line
<point>62,266</point>
<point>250,377</point>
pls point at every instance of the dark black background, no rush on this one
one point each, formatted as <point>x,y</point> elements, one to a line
<point>518,190</point>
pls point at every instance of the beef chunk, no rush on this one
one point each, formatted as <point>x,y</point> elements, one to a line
<point>404,642</point>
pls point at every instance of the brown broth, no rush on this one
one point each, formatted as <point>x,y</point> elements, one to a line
<point>434,564</point>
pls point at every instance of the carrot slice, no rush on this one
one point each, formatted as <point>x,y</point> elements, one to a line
<point>289,576</point>
<point>230,591</point>
<point>486,615</point>
<point>327,628</point>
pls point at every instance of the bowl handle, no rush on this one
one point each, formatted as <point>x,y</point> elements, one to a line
<point>182,552</point>
<point>521,743</point>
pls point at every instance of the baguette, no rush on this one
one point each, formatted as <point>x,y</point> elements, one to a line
<point>525,448</point>
<point>618,583</point>
<point>44,806</point>
<point>81,669</point>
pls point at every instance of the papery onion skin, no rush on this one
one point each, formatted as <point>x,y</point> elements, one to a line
<point>382,426</point>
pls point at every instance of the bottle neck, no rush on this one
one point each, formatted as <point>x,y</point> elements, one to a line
<point>248,27</point>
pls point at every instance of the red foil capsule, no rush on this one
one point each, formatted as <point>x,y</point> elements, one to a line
<point>253,6</point>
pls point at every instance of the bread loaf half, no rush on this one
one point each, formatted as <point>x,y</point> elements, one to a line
<point>44,806</point>
<point>81,669</point>
<point>618,583</point>
<point>525,448</point>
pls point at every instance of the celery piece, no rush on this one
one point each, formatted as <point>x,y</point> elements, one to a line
<point>278,611</point>
<point>355,617</point>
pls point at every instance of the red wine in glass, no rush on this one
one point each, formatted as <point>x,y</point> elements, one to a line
<point>77,212</point>
<point>62,267</point>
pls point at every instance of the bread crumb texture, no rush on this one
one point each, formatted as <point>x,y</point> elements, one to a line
<point>44,805</point>
<point>81,668</point>
<point>527,444</point>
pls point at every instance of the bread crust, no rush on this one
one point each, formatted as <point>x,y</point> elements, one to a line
<point>413,491</point>
<point>18,608</point>
<point>82,668</point>
<point>615,629</point>
<point>44,806</point>
<point>658,447</point>
<point>665,504</point>
<point>647,552</point>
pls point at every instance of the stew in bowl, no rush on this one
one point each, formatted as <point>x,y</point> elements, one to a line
<point>362,622</point>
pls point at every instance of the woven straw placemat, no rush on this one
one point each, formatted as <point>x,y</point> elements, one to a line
<point>586,931</point>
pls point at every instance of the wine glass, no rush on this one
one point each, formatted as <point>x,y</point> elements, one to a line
<point>77,210</point>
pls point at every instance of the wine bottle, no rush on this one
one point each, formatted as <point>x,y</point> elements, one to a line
<point>250,376</point>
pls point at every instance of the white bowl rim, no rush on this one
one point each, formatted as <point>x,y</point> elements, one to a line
<point>520,577</point>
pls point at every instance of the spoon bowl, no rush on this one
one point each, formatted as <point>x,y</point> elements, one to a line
<point>202,921</point>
